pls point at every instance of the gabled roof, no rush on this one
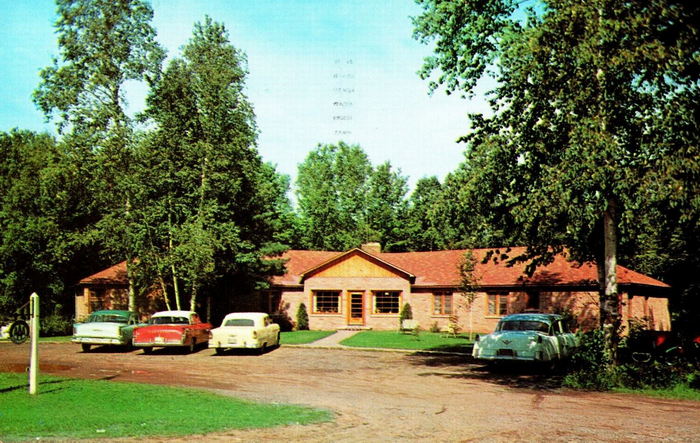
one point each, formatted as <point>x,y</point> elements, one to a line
<point>441,269</point>
<point>433,269</point>
<point>113,276</point>
<point>356,251</point>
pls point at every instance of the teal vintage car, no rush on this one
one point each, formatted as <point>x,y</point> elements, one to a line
<point>527,337</point>
<point>106,327</point>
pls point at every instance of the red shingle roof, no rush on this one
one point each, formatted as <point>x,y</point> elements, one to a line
<point>436,268</point>
<point>441,268</point>
<point>114,275</point>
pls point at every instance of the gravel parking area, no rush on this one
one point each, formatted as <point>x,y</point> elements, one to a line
<point>384,396</point>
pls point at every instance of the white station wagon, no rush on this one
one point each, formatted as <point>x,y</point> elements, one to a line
<point>245,330</point>
<point>527,337</point>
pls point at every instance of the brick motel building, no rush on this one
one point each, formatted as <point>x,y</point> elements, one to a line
<point>365,288</point>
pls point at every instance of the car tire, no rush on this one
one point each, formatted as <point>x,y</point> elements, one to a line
<point>86,347</point>
<point>147,350</point>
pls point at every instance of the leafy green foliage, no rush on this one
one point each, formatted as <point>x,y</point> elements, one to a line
<point>588,128</point>
<point>210,208</point>
<point>302,318</point>
<point>345,202</point>
<point>406,313</point>
<point>121,410</point>
<point>591,365</point>
<point>47,216</point>
<point>103,45</point>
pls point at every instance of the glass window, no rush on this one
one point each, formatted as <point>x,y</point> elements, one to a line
<point>245,322</point>
<point>386,302</point>
<point>326,302</point>
<point>442,303</point>
<point>498,303</point>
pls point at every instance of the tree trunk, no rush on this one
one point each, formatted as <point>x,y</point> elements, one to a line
<point>610,301</point>
<point>131,290</point>
<point>176,287</point>
<point>164,288</point>
<point>176,284</point>
<point>193,300</point>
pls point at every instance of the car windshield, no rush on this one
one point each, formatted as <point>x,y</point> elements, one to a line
<point>170,321</point>
<point>523,325</point>
<point>110,318</point>
<point>239,322</point>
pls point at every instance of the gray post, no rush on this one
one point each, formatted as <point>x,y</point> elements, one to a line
<point>34,332</point>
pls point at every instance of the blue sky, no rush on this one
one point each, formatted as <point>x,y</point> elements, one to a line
<point>320,71</point>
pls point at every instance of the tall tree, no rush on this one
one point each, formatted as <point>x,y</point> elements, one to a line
<point>576,145</point>
<point>387,207</point>
<point>331,194</point>
<point>46,218</point>
<point>103,45</point>
<point>344,201</point>
<point>219,206</point>
<point>422,231</point>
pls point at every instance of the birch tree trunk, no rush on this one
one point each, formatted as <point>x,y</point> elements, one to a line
<point>610,301</point>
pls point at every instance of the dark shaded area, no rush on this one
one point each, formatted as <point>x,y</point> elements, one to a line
<point>516,375</point>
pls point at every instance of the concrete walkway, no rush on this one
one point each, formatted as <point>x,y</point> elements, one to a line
<point>333,340</point>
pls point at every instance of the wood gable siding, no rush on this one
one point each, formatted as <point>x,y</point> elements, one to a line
<point>357,266</point>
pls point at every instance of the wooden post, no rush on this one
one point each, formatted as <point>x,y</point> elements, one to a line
<point>34,332</point>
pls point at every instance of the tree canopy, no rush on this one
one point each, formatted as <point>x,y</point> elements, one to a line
<point>591,117</point>
<point>211,207</point>
<point>344,201</point>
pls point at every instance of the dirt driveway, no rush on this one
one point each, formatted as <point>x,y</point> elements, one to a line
<point>385,396</point>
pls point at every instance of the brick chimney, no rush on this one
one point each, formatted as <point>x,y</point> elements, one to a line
<point>372,248</point>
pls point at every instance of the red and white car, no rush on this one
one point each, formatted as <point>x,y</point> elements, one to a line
<point>172,329</point>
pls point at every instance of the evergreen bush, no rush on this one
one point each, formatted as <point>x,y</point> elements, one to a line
<point>302,318</point>
<point>405,314</point>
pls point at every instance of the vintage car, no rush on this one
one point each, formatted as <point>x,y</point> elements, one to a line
<point>106,327</point>
<point>245,330</point>
<point>527,337</point>
<point>172,329</point>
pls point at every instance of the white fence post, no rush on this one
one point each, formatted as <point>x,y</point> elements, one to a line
<point>34,332</point>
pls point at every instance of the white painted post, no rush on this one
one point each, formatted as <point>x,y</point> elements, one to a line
<point>34,334</point>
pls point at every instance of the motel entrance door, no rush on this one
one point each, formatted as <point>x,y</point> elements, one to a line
<point>356,309</point>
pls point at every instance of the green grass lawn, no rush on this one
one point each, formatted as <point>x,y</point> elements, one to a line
<point>678,392</point>
<point>61,339</point>
<point>424,341</point>
<point>303,337</point>
<point>71,409</point>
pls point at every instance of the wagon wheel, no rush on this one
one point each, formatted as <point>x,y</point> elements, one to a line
<point>19,332</point>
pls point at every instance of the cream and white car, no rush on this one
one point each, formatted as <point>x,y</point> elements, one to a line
<point>527,337</point>
<point>245,330</point>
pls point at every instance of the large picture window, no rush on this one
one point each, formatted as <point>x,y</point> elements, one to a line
<point>386,302</point>
<point>326,302</point>
<point>442,303</point>
<point>498,303</point>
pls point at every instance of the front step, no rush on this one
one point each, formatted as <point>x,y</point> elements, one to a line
<point>355,328</point>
